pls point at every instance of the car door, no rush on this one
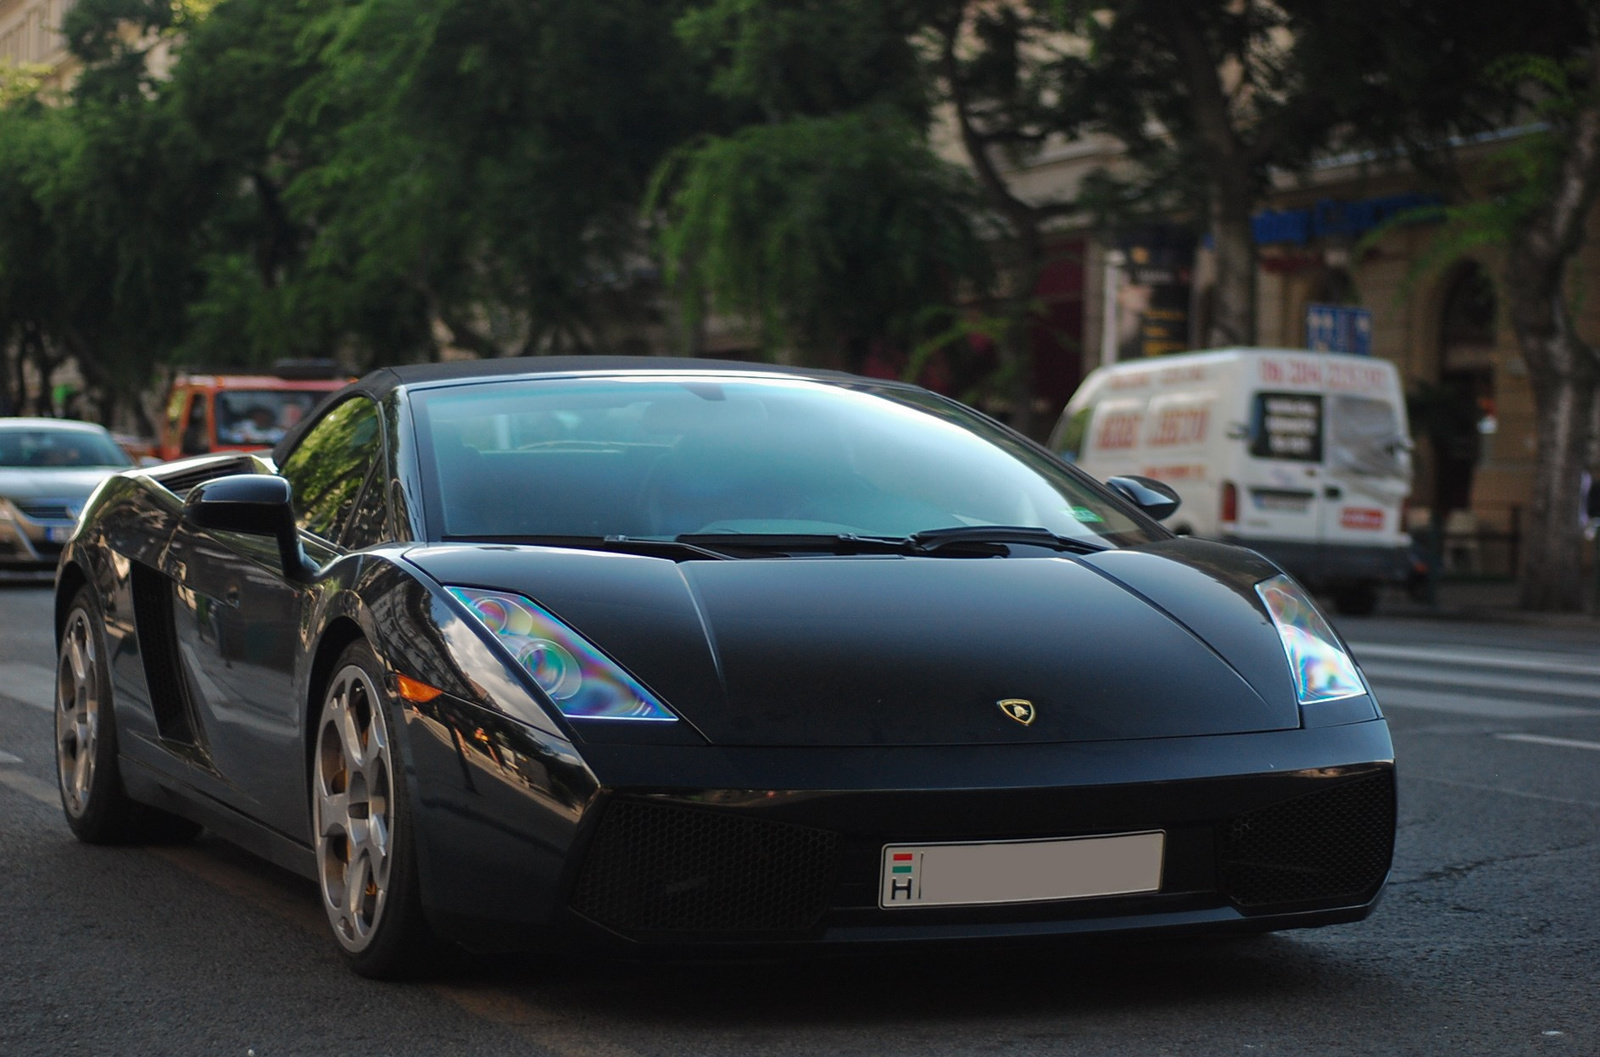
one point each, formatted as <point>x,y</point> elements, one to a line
<point>241,623</point>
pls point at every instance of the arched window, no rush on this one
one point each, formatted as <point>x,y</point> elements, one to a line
<point>1469,312</point>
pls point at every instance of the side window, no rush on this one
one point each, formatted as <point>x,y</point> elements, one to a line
<point>326,470</point>
<point>369,523</point>
<point>1070,443</point>
<point>1287,426</point>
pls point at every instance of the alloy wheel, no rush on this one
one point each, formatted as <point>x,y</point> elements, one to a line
<point>77,712</point>
<point>353,805</point>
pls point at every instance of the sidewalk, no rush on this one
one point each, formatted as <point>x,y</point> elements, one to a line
<point>1482,601</point>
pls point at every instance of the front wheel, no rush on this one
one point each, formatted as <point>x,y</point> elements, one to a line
<point>366,858</point>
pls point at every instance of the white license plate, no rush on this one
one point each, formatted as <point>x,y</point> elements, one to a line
<point>1034,871</point>
<point>59,533</point>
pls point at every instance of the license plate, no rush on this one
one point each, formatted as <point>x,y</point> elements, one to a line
<point>59,533</point>
<point>1036,871</point>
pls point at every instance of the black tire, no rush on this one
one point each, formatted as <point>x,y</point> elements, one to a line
<point>88,778</point>
<point>361,827</point>
<point>1357,599</point>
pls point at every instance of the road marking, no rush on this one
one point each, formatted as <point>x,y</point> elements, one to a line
<point>1397,673</point>
<point>1464,705</point>
<point>1504,792</point>
<point>29,684</point>
<point>1520,660</point>
<point>1541,739</point>
<point>29,786</point>
<point>6,757</point>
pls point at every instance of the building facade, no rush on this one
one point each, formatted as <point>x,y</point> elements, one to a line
<point>1440,321</point>
<point>30,33</point>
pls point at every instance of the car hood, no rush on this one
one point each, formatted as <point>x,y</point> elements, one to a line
<point>871,650</point>
<point>51,483</point>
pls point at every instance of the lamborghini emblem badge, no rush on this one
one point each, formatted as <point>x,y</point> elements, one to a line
<point>1018,709</point>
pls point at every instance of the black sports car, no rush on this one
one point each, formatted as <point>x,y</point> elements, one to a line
<point>697,657</point>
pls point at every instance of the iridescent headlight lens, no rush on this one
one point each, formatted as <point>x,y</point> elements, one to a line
<point>1322,670</point>
<point>581,681</point>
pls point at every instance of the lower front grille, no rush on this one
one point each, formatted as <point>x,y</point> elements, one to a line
<point>1334,844</point>
<point>657,867</point>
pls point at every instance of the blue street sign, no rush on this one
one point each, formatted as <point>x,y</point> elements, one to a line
<point>1337,328</point>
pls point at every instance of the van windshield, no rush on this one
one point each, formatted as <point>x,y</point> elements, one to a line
<point>261,416</point>
<point>1366,439</point>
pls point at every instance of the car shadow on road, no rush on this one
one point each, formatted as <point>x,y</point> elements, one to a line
<point>1060,978</point>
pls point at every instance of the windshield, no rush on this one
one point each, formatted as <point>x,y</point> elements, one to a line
<point>261,416</point>
<point>662,458</point>
<point>59,448</point>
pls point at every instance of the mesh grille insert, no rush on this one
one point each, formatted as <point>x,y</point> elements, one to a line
<point>669,868</point>
<point>1335,844</point>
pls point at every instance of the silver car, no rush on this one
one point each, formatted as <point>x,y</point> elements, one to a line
<point>48,467</point>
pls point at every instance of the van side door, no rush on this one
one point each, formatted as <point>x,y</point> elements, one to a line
<point>1368,470</point>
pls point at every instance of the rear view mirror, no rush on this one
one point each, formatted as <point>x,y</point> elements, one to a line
<point>259,504</point>
<point>1153,497</point>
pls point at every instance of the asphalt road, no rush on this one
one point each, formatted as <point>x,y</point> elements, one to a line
<point>1488,940</point>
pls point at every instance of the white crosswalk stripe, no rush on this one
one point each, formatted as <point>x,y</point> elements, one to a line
<point>1485,682</point>
<point>32,684</point>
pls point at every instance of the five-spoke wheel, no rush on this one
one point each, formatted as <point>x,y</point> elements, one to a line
<point>354,807</point>
<point>365,865</point>
<point>79,700</point>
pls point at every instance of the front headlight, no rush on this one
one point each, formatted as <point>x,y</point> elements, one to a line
<point>1322,670</point>
<point>580,681</point>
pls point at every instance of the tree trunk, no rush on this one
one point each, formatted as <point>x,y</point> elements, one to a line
<point>1233,316</point>
<point>1552,575</point>
<point>1233,184</point>
<point>1563,370</point>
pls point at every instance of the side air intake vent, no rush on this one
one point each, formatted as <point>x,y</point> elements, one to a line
<point>158,645</point>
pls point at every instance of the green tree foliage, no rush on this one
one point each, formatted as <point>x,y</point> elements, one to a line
<point>820,212</point>
<point>483,167</point>
<point>839,233</point>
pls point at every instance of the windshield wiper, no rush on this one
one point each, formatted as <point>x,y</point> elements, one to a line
<point>963,540</point>
<point>791,542</point>
<point>651,548</point>
<point>931,541</point>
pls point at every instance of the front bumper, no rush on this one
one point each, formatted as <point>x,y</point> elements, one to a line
<point>716,851</point>
<point>32,545</point>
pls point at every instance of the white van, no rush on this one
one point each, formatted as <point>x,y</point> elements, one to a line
<point>1303,456</point>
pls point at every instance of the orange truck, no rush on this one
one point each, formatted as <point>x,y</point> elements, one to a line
<point>226,411</point>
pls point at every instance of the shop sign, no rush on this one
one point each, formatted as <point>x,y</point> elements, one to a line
<point>1331,217</point>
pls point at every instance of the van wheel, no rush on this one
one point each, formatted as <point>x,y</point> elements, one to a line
<point>1357,599</point>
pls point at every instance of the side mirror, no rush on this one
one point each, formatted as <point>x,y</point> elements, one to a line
<point>1154,498</point>
<point>259,504</point>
